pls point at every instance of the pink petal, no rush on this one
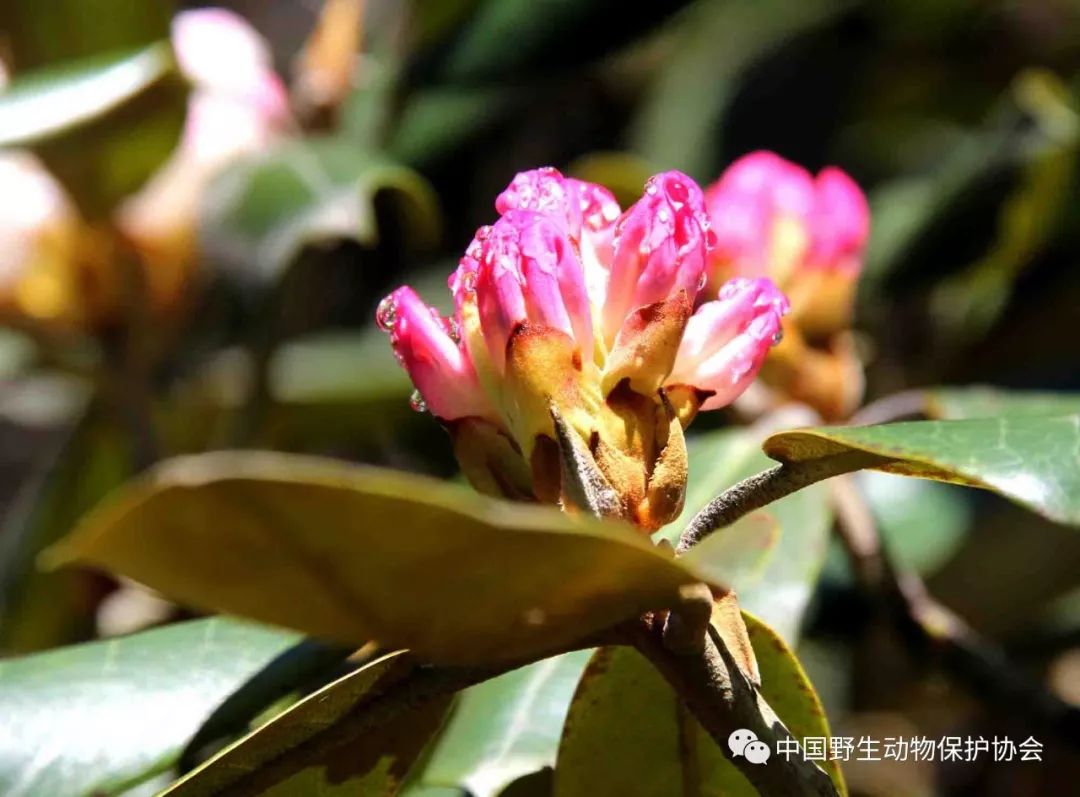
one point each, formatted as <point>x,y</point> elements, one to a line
<point>435,362</point>
<point>660,248</point>
<point>727,339</point>
<point>525,268</point>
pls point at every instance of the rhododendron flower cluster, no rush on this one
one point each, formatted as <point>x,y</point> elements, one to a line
<point>808,234</point>
<point>568,308</point>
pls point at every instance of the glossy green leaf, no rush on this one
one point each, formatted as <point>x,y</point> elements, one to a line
<point>627,732</point>
<point>261,213</point>
<point>102,125</point>
<point>990,402</point>
<point>314,747</point>
<point>377,554</point>
<point>96,719</point>
<point>1029,459</point>
<point>773,570</point>
<point>505,728</point>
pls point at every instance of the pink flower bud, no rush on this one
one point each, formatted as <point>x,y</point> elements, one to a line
<point>727,339</point>
<point>589,209</point>
<point>524,268</point>
<point>661,245</point>
<point>772,218</point>
<point>424,343</point>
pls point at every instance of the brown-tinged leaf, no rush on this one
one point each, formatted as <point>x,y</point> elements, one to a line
<point>374,554</point>
<point>627,732</point>
<point>317,746</point>
<point>728,621</point>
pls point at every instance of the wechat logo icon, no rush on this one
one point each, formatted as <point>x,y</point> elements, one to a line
<point>745,743</point>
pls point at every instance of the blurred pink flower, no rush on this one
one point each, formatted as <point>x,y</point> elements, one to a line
<point>238,106</point>
<point>238,103</point>
<point>772,218</point>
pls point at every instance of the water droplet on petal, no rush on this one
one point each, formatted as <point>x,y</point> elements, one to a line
<point>416,401</point>
<point>677,192</point>
<point>778,336</point>
<point>386,314</point>
<point>650,188</point>
<point>453,329</point>
<point>702,282</point>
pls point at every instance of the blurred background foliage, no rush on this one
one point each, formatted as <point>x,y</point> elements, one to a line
<point>252,326</point>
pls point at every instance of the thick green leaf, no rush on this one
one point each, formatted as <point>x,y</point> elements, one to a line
<point>99,718</point>
<point>774,571</point>
<point>261,213</point>
<point>989,402</point>
<point>35,38</point>
<point>627,732</point>
<point>1029,459</point>
<point>102,125</point>
<point>377,554</point>
<point>505,728</point>
<point>311,748</point>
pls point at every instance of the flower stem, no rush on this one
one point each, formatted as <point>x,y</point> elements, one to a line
<point>723,700</point>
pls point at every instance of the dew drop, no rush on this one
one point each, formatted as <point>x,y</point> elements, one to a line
<point>778,336</point>
<point>702,282</point>
<point>386,314</point>
<point>453,329</point>
<point>650,188</point>
<point>416,401</point>
<point>678,192</point>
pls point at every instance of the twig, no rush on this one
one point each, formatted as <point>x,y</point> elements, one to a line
<point>764,488</point>
<point>723,700</point>
<point>925,623</point>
